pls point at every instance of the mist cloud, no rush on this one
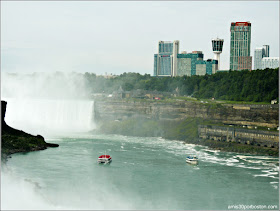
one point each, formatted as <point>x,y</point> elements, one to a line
<point>43,86</point>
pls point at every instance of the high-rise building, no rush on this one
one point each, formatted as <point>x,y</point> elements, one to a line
<point>266,50</point>
<point>210,66</point>
<point>240,45</point>
<point>168,61</point>
<point>165,61</point>
<point>187,63</point>
<point>259,54</point>
<point>270,62</point>
<point>217,47</point>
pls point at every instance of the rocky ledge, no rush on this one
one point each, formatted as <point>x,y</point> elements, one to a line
<point>13,140</point>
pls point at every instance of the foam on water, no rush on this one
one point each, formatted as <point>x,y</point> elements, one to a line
<point>205,155</point>
<point>255,157</point>
<point>93,197</point>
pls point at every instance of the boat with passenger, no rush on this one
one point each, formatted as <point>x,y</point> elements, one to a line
<point>192,160</point>
<point>104,159</point>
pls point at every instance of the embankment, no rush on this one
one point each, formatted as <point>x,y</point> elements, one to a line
<point>184,120</point>
<point>238,114</point>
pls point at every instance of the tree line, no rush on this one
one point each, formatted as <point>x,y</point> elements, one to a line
<point>255,85</point>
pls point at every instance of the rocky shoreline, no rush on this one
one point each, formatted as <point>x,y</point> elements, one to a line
<point>14,141</point>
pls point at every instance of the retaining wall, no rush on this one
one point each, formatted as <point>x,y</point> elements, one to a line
<point>244,136</point>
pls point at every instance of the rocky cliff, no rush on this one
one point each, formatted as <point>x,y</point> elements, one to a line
<point>182,120</point>
<point>237,114</point>
<point>13,140</point>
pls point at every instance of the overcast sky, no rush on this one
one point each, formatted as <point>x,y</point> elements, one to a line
<point>117,37</point>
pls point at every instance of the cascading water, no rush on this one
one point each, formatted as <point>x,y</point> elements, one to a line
<point>47,104</point>
<point>50,116</point>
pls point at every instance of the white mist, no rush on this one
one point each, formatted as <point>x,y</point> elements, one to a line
<point>44,116</point>
<point>48,104</point>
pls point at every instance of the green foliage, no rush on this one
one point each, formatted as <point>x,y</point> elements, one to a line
<point>132,127</point>
<point>15,143</point>
<point>253,86</point>
<point>179,130</point>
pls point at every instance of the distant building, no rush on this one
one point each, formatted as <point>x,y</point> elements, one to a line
<point>244,63</point>
<point>266,50</point>
<point>168,62</point>
<point>165,62</point>
<point>217,47</point>
<point>240,45</point>
<point>118,93</point>
<point>259,54</point>
<point>187,63</point>
<point>209,67</point>
<point>262,59</point>
<point>270,62</point>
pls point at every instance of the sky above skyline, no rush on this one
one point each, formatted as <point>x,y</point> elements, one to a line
<point>116,37</point>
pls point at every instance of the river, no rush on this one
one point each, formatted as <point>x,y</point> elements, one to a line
<point>146,173</point>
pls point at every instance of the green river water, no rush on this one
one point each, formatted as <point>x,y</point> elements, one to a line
<point>146,173</point>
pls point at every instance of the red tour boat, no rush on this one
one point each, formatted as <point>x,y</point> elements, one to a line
<point>104,159</point>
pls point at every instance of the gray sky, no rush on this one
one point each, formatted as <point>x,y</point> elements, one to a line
<point>117,37</point>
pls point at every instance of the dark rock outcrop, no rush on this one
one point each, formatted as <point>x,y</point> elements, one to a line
<point>52,145</point>
<point>13,140</point>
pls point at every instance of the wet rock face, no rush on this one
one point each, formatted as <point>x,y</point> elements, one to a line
<point>52,145</point>
<point>3,111</point>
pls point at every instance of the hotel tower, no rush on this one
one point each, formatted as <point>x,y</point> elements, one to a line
<point>240,45</point>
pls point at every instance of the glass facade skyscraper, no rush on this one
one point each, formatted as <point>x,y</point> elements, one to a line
<point>266,50</point>
<point>165,47</point>
<point>165,61</point>
<point>259,54</point>
<point>240,45</point>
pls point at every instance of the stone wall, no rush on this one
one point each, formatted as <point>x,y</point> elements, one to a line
<point>238,135</point>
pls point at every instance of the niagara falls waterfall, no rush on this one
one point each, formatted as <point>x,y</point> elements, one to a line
<point>47,104</point>
<point>50,116</point>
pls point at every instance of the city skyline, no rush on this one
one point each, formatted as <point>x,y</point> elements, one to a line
<point>116,37</point>
<point>171,61</point>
